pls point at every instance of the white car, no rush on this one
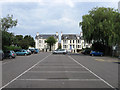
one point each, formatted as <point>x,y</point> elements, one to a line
<point>60,51</point>
<point>29,52</point>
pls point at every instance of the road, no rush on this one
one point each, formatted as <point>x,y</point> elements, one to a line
<point>45,70</point>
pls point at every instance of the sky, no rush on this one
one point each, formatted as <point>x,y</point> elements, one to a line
<point>50,16</point>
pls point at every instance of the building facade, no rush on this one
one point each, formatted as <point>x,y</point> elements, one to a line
<point>73,42</point>
<point>119,6</point>
<point>42,45</point>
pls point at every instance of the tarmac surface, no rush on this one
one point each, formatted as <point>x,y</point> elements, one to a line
<point>46,70</point>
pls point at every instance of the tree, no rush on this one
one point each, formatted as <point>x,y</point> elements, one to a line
<point>51,41</point>
<point>24,44</point>
<point>30,39</point>
<point>101,26</point>
<point>8,22</point>
<point>59,47</point>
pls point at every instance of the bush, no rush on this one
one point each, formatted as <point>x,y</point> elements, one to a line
<point>11,48</point>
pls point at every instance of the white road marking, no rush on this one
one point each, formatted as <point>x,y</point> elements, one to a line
<point>58,72</point>
<point>24,72</point>
<point>57,67</point>
<point>92,72</point>
<point>59,79</point>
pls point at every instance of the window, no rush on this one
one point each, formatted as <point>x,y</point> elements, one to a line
<point>70,41</point>
<point>78,41</point>
<point>65,41</point>
<point>78,46</point>
<point>73,41</point>
<point>73,46</point>
<point>70,46</point>
<point>39,41</point>
<point>64,46</point>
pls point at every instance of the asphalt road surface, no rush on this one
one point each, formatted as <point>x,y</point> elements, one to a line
<point>45,70</point>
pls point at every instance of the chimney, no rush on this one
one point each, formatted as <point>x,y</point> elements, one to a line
<point>61,33</point>
<point>37,33</point>
<point>81,34</point>
<point>56,33</point>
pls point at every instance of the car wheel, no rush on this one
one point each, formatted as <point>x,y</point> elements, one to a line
<point>10,57</point>
<point>92,54</point>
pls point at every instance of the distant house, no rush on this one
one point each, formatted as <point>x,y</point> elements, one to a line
<point>73,42</point>
<point>42,45</point>
<point>119,6</point>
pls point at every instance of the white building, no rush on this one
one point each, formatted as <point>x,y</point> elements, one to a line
<point>42,45</point>
<point>119,6</point>
<point>73,42</point>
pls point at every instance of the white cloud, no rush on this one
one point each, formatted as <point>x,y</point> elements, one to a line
<point>67,2</point>
<point>62,21</point>
<point>59,1</point>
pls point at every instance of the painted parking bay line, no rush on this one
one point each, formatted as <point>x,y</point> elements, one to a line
<point>58,72</point>
<point>58,79</point>
<point>23,72</point>
<point>102,60</point>
<point>93,73</point>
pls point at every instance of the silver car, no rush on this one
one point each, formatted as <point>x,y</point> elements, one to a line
<point>60,51</point>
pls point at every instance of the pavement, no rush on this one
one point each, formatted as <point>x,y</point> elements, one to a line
<point>46,70</point>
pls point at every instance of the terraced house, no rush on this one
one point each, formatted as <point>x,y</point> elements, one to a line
<point>73,42</point>
<point>42,45</point>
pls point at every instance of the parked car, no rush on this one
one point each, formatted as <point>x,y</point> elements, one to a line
<point>36,50</point>
<point>96,53</point>
<point>86,51</point>
<point>29,52</point>
<point>1,55</point>
<point>32,50</point>
<point>119,57</point>
<point>60,51</point>
<point>22,52</point>
<point>9,54</point>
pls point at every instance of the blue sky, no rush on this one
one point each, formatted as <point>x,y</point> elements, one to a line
<point>49,16</point>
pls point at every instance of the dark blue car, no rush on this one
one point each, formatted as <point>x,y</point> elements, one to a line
<point>96,53</point>
<point>36,51</point>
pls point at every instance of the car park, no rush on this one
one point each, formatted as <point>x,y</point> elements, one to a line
<point>9,54</point>
<point>22,52</point>
<point>96,53</point>
<point>60,51</point>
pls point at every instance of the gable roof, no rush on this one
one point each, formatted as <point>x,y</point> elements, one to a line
<point>70,36</point>
<point>45,36</point>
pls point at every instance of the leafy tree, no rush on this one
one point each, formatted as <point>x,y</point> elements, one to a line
<point>30,39</point>
<point>101,26</point>
<point>24,44</point>
<point>51,41</point>
<point>8,22</point>
<point>59,47</point>
<point>18,39</point>
<point>9,40</point>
